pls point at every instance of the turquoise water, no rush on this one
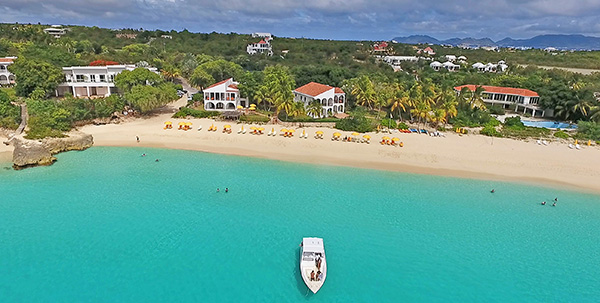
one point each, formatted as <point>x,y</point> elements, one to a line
<point>549,124</point>
<point>107,225</point>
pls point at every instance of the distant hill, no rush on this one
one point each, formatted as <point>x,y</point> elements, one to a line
<point>578,42</point>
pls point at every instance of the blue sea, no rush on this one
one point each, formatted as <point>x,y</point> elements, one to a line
<point>108,225</point>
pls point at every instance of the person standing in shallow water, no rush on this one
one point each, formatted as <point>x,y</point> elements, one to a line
<point>226,189</point>
<point>217,189</point>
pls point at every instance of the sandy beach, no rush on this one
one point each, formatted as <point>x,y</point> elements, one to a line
<point>467,156</point>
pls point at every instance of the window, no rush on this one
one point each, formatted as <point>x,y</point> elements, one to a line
<point>93,78</point>
<point>102,78</point>
<point>79,78</point>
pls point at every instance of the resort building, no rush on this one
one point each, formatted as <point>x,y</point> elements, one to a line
<point>92,81</point>
<point>451,67</point>
<point>223,96</point>
<point>332,99</point>
<point>262,35</point>
<point>491,67</point>
<point>126,36</point>
<point>6,77</point>
<point>524,100</point>
<point>56,31</point>
<point>381,48</point>
<point>451,58</point>
<point>262,47</point>
<point>427,51</point>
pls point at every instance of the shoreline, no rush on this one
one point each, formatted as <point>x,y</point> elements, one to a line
<point>468,156</point>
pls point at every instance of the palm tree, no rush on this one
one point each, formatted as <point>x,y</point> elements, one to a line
<point>364,91</point>
<point>476,99</point>
<point>400,102</point>
<point>421,111</point>
<point>447,103</point>
<point>438,116</point>
<point>283,103</point>
<point>314,109</point>
<point>297,109</point>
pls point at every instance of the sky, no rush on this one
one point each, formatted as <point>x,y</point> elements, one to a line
<point>322,19</point>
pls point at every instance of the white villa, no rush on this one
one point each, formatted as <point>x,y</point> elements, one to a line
<point>223,96</point>
<point>451,67</point>
<point>333,99</point>
<point>56,31</point>
<point>6,77</point>
<point>491,67</point>
<point>92,81</point>
<point>262,47</point>
<point>450,58</point>
<point>524,100</point>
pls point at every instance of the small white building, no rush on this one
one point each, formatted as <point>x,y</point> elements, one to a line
<point>166,36</point>
<point>262,35</point>
<point>92,81</point>
<point>396,60</point>
<point>262,47</point>
<point>222,96</point>
<point>435,65</point>
<point>56,31</point>
<point>6,77</point>
<point>451,58</point>
<point>332,99</point>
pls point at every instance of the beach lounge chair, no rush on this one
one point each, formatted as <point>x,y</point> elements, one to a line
<point>539,142</point>
<point>424,131</point>
<point>571,146</point>
<point>544,142</point>
<point>413,130</point>
<point>577,146</point>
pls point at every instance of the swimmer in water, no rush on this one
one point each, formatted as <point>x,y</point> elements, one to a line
<point>217,189</point>
<point>143,155</point>
<point>226,189</point>
<point>544,203</point>
<point>156,160</point>
<point>493,191</point>
<point>554,204</point>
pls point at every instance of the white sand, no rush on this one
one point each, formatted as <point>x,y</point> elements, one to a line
<point>469,156</point>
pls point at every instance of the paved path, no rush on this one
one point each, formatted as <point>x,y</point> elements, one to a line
<point>24,117</point>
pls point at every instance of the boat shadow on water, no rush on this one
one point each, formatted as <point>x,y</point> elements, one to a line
<point>302,288</point>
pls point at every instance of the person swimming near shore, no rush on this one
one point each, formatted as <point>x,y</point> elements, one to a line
<point>544,203</point>
<point>493,191</point>
<point>226,189</point>
<point>143,155</point>
<point>555,199</point>
<point>156,160</point>
<point>218,189</point>
<point>554,204</point>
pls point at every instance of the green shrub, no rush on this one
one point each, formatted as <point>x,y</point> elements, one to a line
<point>39,129</point>
<point>513,122</point>
<point>402,125</point>
<point>561,134</point>
<point>185,112</point>
<point>197,97</point>
<point>387,122</point>
<point>588,130</point>
<point>356,122</point>
<point>178,86</point>
<point>254,118</point>
<point>490,130</point>
<point>496,110</point>
<point>525,132</point>
<point>527,115</point>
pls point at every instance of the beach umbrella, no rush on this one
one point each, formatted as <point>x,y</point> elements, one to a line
<point>253,128</point>
<point>355,134</point>
<point>336,134</point>
<point>367,137</point>
<point>319,132</point>
<point>395,139</point>
<point>168,123</point>
<point>385,138</point>
<point>227,126</point>
<point>261,129</point>
<point>188,123</point>
<point>283,130</point>
<point>182,123</point>
<point>291,130</point>
<point>240,107</point>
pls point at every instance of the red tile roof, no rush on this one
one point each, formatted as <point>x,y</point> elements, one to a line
<point>262,42</point>
<point>314,89</point>
<point>339,91</point>
<point>233,86</point>
<point>219,83</point>
<point>6,60</point>
<point>501,90</point>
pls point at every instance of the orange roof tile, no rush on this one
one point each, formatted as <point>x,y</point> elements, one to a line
<point>6,60</point>
<point>501,90</point>
<point>313,89</point>
<point>219,83</point>
<point>339,91</point>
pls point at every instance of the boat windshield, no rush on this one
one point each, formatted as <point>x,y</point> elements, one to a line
<point>308,256</point>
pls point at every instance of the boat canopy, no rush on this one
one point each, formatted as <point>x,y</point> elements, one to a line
<point>313,245</point>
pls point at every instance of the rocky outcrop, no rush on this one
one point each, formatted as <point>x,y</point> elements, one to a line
<point>40,152</point>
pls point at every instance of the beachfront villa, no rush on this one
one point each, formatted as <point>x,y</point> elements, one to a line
<point>6,77</point>
<point>500,67</point>
<point>92,81</point>
<point>56,31</point>
<point>223,96</point>
<point>524,100</point>
<point>333,99</point>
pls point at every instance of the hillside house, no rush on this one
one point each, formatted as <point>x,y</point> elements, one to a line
<point>332,99</point>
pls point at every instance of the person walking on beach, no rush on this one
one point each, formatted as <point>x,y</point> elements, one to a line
<point>137,138</point>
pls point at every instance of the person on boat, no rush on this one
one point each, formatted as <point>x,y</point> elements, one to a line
<point>319,275</point>
<point>544,203</point>
<point>312,275</point>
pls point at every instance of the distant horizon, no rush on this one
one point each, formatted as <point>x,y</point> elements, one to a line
<point>323,19</point>
<point>300,37</point>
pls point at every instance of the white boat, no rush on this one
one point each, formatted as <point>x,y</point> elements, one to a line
<point>313,266</point>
